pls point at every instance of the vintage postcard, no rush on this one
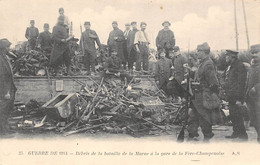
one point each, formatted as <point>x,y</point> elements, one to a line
<point>129,82</point>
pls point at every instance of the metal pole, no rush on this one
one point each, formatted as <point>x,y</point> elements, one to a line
<point>235,17</point>
<point>247,36</point>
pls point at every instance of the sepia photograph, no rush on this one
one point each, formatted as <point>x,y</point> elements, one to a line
<point>129,82</point>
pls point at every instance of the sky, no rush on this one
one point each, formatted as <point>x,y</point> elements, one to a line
<point>193,21</point>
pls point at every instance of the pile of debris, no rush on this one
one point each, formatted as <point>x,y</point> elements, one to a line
<point>105,106</point>
<point>31,63</point>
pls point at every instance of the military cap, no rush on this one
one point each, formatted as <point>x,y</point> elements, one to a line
<point>166,22</point>
<point>4,43</point>
<point>134,22</point>
<point>46,25</point>
<point>176,48</point>
<point>232,53</point>
<point>114,22</point>
<point>61,18</point>
<point>32,21</point>
<point>255,48</point>
<point>204,47</point>
<point>61,9</point>
<point>87,23</point>
<point>143,23</point>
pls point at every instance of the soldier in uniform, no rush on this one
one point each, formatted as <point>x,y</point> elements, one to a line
<point>178,62</point>
<point>31,34</point>
<point>130,46</point>
<point>165,38</point>
<point>7,87</point>
<point>163,71</point>
<point>60,53</point>
<point>201,115</point>
<point>116,40</point>
<point>89,38</point>
<point>67,22</point>
<point>253,90</point>
<point>234,86</point>
<point>44,40</point>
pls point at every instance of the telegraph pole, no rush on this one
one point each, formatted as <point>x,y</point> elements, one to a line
<point>247,36</point>
<point>235,17</point>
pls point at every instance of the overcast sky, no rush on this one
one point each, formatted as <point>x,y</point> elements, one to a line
<point>196,21</point>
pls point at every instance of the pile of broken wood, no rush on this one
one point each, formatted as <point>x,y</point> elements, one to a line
<point>112,107</point>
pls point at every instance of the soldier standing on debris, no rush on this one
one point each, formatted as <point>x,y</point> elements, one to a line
<point>60,53</point>
<point>67,23</point>
<point>31,34</point>
<point>7,87</point>
<point>142,42</point>
<point>163,70</point>
<point>89,37</point>
<point>253,90</point>
<point>234,86</point>
<point>178,62</point>
<point>126,35</point>
<point>44,40</point>
<point>165,38</point>
<point>130,46</point>
<point>115,41</point>
<point>204,114</point>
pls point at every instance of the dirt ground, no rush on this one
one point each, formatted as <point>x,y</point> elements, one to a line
<point>219,131</point>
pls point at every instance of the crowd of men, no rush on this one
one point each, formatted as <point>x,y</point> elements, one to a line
<point>172,71</point>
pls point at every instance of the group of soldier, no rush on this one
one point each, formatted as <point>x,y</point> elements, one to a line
<point>173,71</point>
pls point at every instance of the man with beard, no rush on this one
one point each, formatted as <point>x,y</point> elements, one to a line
<point>89,38</point>
<point>130,46</point>
<point>202,113</point>
<point>253,90</point>
<point>44,40</point>
<point>115,42</point>
<point>31,34</point>
<point>165,38</point>
<point>234,86</point>
<point>7,87</point>
<point>142,42</point>
<point>60,53</point>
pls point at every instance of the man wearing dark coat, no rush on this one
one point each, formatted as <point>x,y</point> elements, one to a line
<point>178,62</point>
<point>234,86</point>
<point>163,71</point>
<point>116,40</point>
<point>165,38</point>
<point>31,34</point>
<point>131,47</point>
<point>200,115</point>
<point>44,40</point>
<point>126,35</point>
<point>89,38</point>
<point>60,53</point>
<point>7,87</point>
<point>253,90</point>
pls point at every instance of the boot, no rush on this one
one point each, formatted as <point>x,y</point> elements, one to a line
<point>208,137</point>
<point>233,136</point>
<point>243,137</point>
<point>247,124</point>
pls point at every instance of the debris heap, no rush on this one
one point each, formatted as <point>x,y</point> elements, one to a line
<point>106,106</point>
